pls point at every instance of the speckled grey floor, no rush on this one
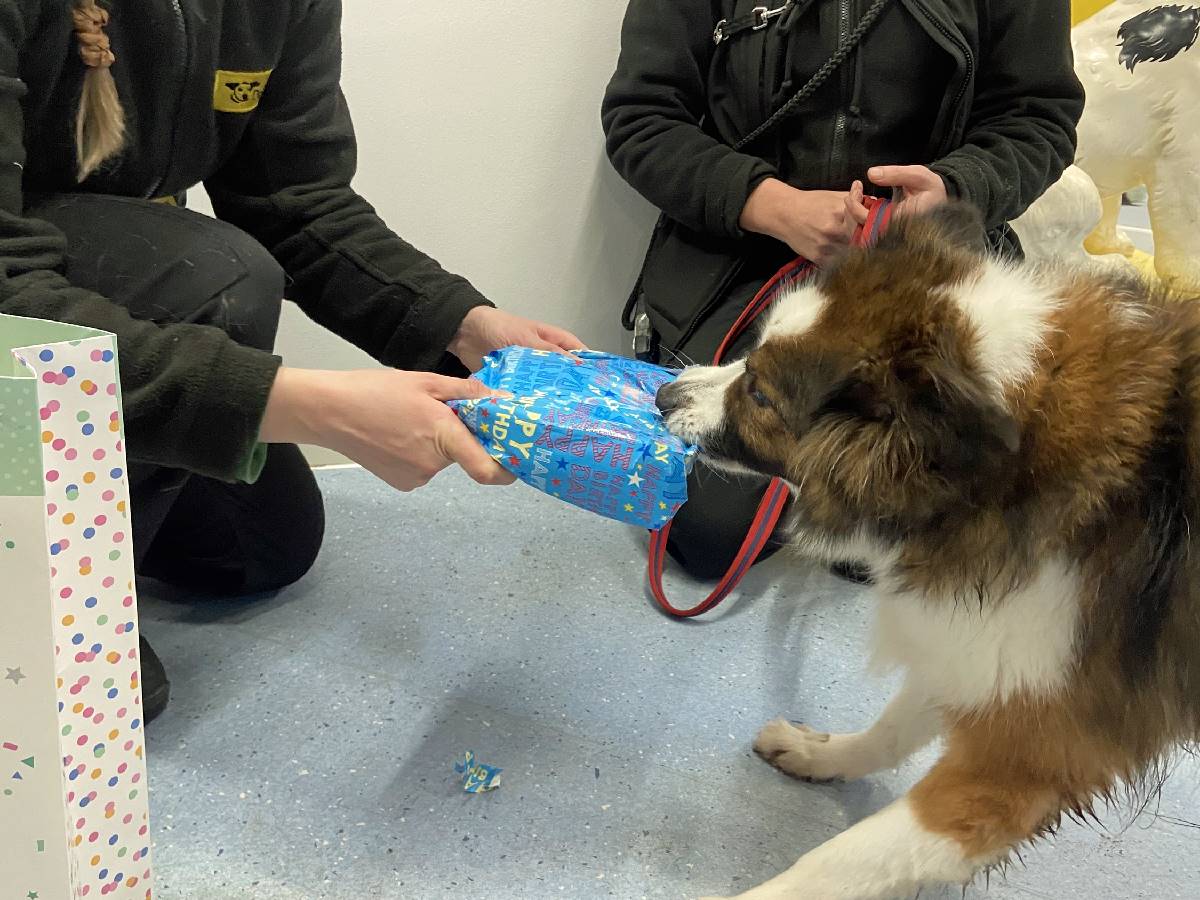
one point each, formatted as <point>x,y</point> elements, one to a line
<point>308,749</point>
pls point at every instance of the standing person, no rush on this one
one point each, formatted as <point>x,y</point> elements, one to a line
<point>108,115</point>
<point>973,99</point>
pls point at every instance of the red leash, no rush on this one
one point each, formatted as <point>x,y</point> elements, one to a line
<point>773,503</point>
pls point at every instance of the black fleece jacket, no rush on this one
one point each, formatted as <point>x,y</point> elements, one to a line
<point>990,83</point>
<point>245,98</point>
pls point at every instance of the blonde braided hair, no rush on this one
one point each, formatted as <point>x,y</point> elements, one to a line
<point>100,122</point>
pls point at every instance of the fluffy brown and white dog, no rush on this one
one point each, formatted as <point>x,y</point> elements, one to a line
<point>1013,451</point>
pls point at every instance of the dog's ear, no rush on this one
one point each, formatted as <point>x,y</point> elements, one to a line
<point>977,412</point>
<point>969,425</point>
<point>953,224</point>
<point>997,426</point>
<point>959,224</point>
<point>858,398</point>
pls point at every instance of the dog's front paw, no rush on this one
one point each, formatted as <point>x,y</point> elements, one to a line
<point>799,751</point>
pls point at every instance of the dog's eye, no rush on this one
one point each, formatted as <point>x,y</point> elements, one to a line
<point>760,399</point>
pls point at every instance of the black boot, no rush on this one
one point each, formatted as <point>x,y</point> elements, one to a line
<point>156,690</point>
<point>856,573</point>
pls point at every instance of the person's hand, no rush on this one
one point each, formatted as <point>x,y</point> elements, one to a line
<point>392,423</point>
<point>485,329</point>
<point>856,210</point>
<point>915,188</point>
<point>813,223</point>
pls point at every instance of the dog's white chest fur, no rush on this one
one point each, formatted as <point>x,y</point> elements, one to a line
<point>964,657</point>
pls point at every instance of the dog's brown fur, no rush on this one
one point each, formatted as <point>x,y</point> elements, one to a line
<point>883,419</point>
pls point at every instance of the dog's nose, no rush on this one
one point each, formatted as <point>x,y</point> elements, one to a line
<point>669,397</point>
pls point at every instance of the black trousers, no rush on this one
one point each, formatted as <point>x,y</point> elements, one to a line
<point>167,264</point>
<point>708,531</point>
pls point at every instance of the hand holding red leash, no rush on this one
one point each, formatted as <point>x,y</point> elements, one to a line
<point>812,223</point>
<point>856,209</point>
<point>915,189</point>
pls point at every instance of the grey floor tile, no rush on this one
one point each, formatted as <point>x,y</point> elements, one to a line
<point>309,745</point>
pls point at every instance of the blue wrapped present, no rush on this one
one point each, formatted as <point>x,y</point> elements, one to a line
<point>585,430</point>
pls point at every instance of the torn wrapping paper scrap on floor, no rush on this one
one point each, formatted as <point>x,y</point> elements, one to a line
<point>478,778</point>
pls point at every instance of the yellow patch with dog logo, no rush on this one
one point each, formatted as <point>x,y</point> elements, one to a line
<point>238,92</point>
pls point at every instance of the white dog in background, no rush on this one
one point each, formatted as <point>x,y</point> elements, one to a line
<point>1139,65</point>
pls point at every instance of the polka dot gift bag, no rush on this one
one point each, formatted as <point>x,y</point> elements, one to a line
<point>73,813</point>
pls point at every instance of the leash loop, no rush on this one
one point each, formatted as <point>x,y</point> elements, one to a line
<point>775,500</point>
